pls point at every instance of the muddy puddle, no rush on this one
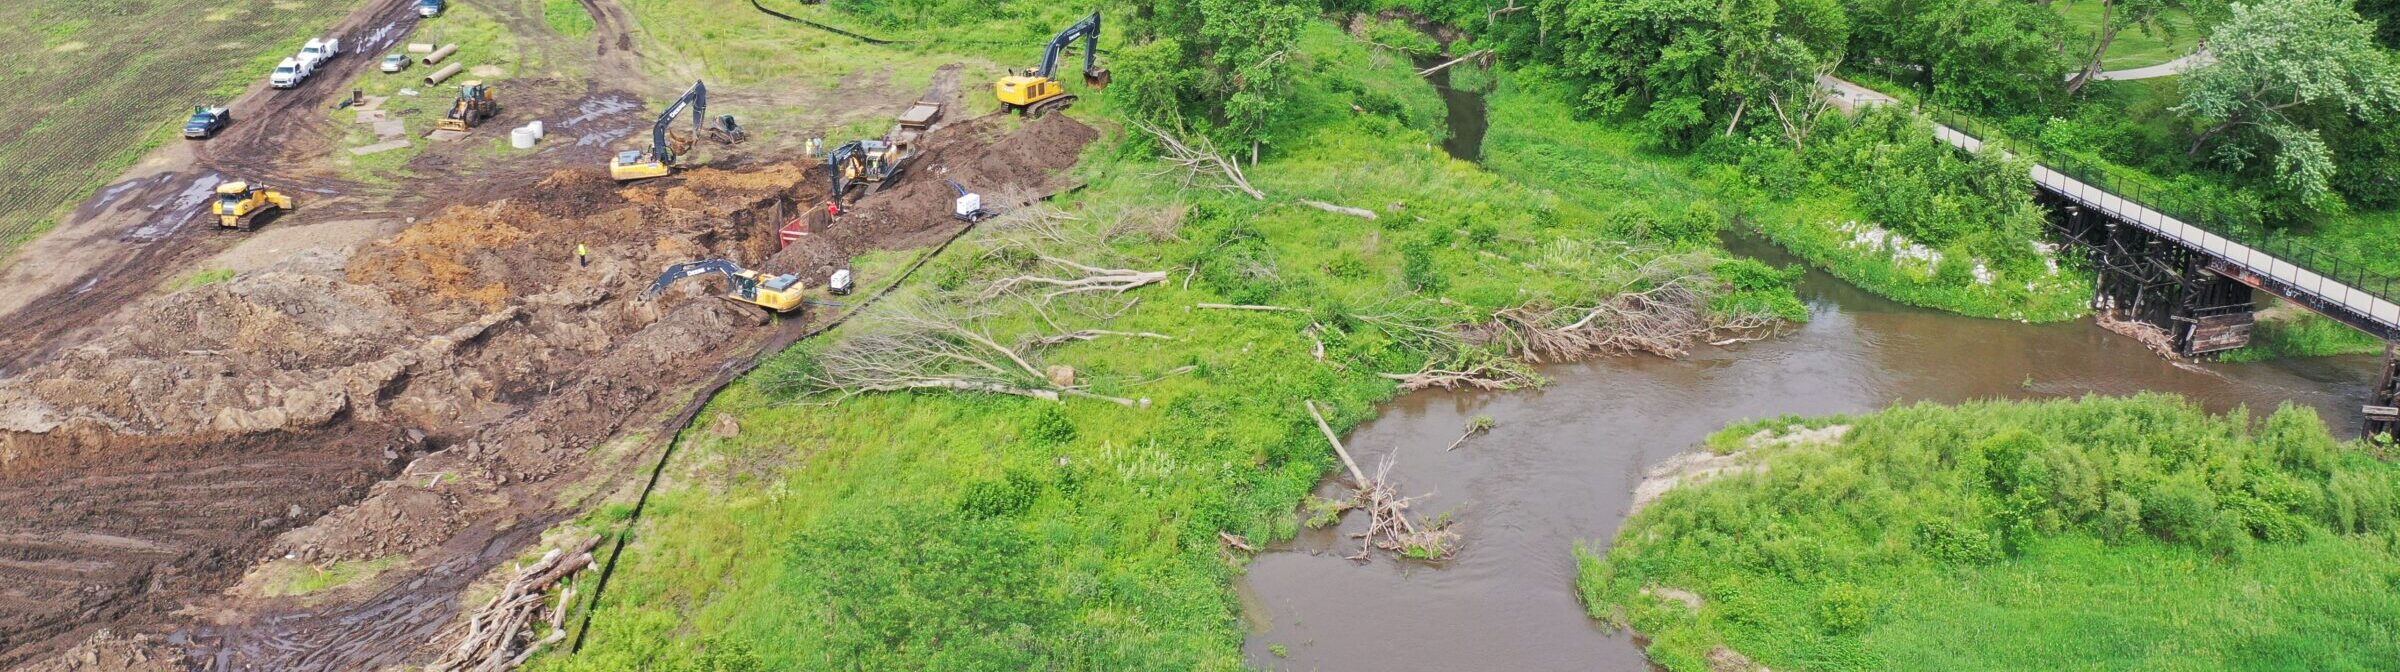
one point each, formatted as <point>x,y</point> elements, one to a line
<point>1562,464</point>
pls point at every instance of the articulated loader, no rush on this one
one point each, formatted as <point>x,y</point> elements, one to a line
<point>240,203</point>
<point>474,106</point>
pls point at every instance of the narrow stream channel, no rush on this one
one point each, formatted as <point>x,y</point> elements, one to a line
<point>1562,464</point>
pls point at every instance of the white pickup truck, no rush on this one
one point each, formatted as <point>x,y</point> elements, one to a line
<point>320,50</point>
<point>291,72</point>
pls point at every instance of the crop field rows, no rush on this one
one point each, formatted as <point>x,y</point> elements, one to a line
<point>97,85</point>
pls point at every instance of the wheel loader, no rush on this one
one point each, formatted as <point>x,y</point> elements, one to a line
<point>240,203</point>
<point>474,106</point>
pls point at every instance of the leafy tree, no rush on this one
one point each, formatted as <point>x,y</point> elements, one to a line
<point>1995,55</point>
<point>1684,67</point>
<point>1220,67</point>
<point>2276,60</point>
<point>2147,16</point>
<point>2386,15</point>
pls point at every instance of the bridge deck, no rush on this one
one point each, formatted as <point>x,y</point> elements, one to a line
<point>2380,316</point>
<point>2290,275</point>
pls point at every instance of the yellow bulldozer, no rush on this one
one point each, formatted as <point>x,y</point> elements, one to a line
<point>241,202</point>
<point>1035,92</point>
<point>474,106</point>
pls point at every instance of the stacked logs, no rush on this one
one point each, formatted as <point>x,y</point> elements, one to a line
<point>500,635</point>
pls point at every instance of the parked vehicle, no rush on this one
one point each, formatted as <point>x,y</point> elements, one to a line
<point>206,121</point>
<point>431,8</point>
<point>291,72</point>
<point>320,50</point>
<point>396,62</point>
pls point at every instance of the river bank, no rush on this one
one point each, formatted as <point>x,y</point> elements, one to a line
<point>1561,466</point>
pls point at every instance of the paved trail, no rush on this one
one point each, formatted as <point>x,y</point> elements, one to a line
<point>2167,69</point>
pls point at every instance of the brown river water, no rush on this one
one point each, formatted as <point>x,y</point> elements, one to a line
<point>1562,464</point>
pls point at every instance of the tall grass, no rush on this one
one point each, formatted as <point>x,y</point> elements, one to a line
<point>2105,533</point>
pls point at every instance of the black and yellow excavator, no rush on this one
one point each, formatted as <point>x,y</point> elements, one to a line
<point>240,203</point>
<point>658,160</point>
<point>1035,92</point>
<point>474,106</point>
<point>780,293</point>
<point>875,163</point>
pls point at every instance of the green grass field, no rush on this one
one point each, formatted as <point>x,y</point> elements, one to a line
<point>2102,534</point>
<point>91,92</point>
<point>2134,47</point>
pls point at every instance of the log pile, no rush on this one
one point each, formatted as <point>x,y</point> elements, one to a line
<point>500,635</point>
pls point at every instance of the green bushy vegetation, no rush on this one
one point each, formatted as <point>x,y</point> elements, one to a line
<point>2299,333</point>
<point>966,531</point>
<point>2105,533</point>
<point>568,17</point>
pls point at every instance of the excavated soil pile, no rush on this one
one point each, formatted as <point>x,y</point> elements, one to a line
<point>431,399</point>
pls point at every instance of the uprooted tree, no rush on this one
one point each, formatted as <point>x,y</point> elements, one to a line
<point>954,339</point>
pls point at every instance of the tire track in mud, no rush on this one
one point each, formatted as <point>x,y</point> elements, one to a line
<point>165,226</point>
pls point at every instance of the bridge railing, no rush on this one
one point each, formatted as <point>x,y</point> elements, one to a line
<point>2334,275</point>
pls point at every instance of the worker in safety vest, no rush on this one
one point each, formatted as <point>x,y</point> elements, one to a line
<point>583,255</point>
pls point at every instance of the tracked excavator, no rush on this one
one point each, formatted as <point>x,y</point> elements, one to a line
<point>240,203</point>
<point>874,163</point>
<point>1035,93</point>
<point>658,160</point>
<point>781,293</point>
<point>474,106</point>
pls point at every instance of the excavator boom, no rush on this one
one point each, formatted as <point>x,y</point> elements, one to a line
<point>781,293</point>
<point>659,160</point>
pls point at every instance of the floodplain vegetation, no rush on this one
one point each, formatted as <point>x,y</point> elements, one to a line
<point>1051,448</point>
<point>2103,533</point>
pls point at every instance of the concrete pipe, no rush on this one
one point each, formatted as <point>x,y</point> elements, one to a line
<point>420,47</point>
<point>521,138</point>
<point>445,73</point>
<point>537,129</point>
<point>442,53</point>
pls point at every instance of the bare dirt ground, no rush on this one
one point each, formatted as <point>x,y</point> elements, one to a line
<point>422,374</point>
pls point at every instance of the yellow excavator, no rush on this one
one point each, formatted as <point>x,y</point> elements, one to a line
<point>240,202</point>
<point>1035,92</point>
<point>475,105</point>
<point>780,293</point>
<point>659,159</point>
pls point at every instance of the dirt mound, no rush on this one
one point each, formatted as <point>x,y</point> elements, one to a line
<point>430,398</point>
<point>1007,169</point>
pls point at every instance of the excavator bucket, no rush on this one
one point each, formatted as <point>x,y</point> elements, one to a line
<point>1097,78</point>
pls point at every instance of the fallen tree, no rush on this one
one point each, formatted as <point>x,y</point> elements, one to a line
<point>1198,159</point>
<point>1388,525</point>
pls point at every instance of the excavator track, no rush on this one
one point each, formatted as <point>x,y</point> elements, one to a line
<point>1036,110</point>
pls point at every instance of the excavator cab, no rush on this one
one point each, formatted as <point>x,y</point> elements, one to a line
<point>1037,91</point>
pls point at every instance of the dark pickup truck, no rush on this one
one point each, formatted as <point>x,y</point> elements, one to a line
<point>206,121</point>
